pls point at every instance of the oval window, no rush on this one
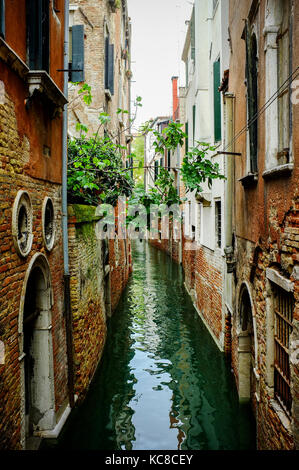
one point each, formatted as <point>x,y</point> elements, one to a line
<point>22,224</point>
<point>48,223</point>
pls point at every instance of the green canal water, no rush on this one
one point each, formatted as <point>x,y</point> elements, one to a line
<point>162,382</point>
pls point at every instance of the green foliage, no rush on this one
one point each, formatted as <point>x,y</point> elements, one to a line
<point>95,165</point>
<point>138,159</point>
<point>85,91</point>
<point>95,171</point>
<point>197,168</point>
<point>171,137</point>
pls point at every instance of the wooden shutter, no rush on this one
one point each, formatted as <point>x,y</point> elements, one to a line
<point>194,121</point>
<point>106,63</point>
<point>78,53</point>
<point>193,35</point>
<point>217,101</point>
<point>2,18</point>
<point>251,77</point>
<point>187,138</point>
<point>111,69</point>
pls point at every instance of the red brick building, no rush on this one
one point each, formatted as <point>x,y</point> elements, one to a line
<point>33,366</point>
<point>263,65</point>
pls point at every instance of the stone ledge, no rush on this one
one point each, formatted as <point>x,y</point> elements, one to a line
<point>278,279</point>
<point>278,170</point>
<point>281,414</point>
<point>40,81</point>
<point>83,213</point>
<point>249,180</point>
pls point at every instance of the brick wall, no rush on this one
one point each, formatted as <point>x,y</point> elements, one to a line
<point>204,281</point>
<point>15,153</point>
<point>92,281</point>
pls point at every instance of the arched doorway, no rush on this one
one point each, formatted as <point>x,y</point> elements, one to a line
<point>246,348</point>
<point>36,349</point>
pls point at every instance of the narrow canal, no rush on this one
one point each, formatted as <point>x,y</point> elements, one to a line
<point>162,382</point>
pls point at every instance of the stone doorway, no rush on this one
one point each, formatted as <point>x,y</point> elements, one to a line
<point>246,349</point>
<point>37,351</point>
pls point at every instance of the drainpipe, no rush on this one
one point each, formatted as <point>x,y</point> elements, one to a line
<point>66,276</point>
<point>229,196</point>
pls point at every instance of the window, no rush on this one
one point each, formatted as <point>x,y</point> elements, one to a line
<point>2,19</point>
<point>76,53</point>
<point>217,101</point>
<point>283,42</point>
<point>38,34</point>
<point>22,224</point>
<point>161,162</point>
<point>283,311</point>
<point>109,65</point>
<point>187,138</point>
<point>192,28</point>
<point>168,160</point>
<point>48,223</point>
<point>156,169</point>
<point>218,223</point>
<point>252,104</point>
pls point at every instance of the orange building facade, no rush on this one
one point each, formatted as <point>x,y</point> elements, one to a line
<point>33,363</point>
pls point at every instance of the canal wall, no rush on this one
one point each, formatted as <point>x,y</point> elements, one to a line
<point>99,270</point>
<point>169,245</point>
<point>204,281</point>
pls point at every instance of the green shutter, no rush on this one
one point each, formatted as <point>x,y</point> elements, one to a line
<point>217,101</point>
<point>111,68</point>
<point>2,18</point>
<point>252,105</point>
<point>194,121</point>
<point>106,62</point>
<point>187,138</point>
<point>78,53</point>
<point>193,35</point>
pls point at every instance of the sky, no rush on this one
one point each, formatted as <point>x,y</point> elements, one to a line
<point>158,37</point>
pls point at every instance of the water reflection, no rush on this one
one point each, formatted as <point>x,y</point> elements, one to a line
<point>162,383</point>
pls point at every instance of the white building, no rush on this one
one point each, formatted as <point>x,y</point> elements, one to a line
<point>206,55</point>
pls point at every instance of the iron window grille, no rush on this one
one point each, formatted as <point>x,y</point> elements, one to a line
<point>218,222</point>
<point>283,310</point>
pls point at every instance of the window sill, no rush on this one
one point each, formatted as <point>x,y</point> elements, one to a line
<point>279,170</point>
<point>249,180</point>
<point>281,414</point>
<point>41,82</point>
<point>204,198</point>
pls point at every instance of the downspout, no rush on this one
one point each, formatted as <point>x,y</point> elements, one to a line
<point>66,275</point>
<point>229,201</point>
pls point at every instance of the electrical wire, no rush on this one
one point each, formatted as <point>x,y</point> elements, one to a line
<point>268,103</point>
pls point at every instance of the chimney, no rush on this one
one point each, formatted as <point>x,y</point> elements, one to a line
<point>175,98</point>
